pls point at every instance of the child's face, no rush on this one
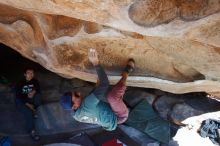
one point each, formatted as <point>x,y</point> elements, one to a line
<point>29,75</point>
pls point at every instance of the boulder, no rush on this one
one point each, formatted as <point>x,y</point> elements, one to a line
<point>175,43</point>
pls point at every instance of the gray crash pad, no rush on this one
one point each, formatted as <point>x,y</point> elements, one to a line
<point>52,119</point>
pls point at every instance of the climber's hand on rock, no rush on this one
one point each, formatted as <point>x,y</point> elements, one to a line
<point>93,56</point>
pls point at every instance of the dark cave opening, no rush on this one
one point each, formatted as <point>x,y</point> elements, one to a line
<point>13,64</point>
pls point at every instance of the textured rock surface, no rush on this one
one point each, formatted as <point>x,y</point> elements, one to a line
<point>176,43</point>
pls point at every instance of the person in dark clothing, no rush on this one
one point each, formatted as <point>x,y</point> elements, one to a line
<point>93,109</point>
<point>28,99</point>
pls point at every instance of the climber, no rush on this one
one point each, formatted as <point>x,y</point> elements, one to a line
<point>28,99</point>
<point>93,109</point>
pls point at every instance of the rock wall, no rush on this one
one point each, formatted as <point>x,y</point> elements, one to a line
<point>175,43</point>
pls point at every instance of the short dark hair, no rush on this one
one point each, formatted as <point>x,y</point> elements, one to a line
<point>28,68</point>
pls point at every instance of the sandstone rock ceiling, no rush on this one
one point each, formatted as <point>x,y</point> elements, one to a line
<point>176,43</point>
<point>154,12</point>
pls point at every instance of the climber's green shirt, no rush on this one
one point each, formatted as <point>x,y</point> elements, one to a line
<point>95,111</point>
